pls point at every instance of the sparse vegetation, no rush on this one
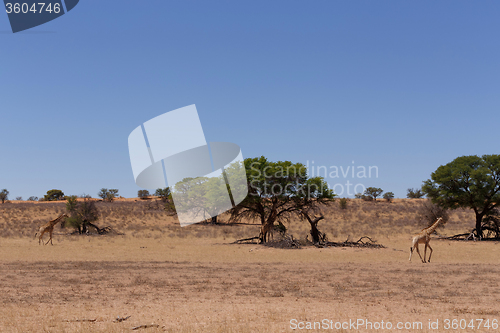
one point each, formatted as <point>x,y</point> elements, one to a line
<point>343,203</point>
<point>429,212</point>
<point>33,198</point>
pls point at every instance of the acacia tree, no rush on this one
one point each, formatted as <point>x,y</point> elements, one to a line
<point>388,196</point>
<point>204,197</point>
<point>4,194</point>
<point>467,182</point>
<point>53,195</point>
<point>83,214</point>
<point>143,194</point>
<point>278,191</point>
<point>373,192</point>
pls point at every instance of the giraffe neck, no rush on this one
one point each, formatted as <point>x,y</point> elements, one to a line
<point>57,220</point>
<point>433,227</point>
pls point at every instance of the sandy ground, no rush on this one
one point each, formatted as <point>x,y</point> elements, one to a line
<point>195,284</point>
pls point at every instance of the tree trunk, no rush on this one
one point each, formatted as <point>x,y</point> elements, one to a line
<point>479,229</point>
<point>315,233</point>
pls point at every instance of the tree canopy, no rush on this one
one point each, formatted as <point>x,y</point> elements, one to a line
<point>53,195</point>
<point>373,192</point>
<point>467,182</point>
<point>278,191</point>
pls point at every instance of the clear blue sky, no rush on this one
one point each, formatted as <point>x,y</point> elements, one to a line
<point>402,85</point>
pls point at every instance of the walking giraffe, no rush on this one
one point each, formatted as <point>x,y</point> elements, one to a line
<point>49,227</point>
<point>424,237</point>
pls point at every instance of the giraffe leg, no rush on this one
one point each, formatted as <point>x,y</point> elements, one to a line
<point>411,252</point>
<point>40,238</point>
<point>418,251</point>
<point>425,251</point>
<point>50,238</point>
<point>430,253</point>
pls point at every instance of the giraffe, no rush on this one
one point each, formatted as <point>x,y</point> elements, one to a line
<point>49,227</point>
<point>266,230</point>
<point>424,237</point>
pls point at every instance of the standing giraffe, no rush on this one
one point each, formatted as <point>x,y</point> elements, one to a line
<point>49,227</point>
<point>424,237</point>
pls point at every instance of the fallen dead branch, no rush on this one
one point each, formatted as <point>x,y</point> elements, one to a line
<point>368,243</point>
<point>245,240</point>
<point>285,242</point>
<point>80,320</point>
<point>145,326</point>
<point>120,319</point>
<point>471,236</point>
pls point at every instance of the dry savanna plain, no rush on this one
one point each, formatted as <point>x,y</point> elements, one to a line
<point>194,279</point>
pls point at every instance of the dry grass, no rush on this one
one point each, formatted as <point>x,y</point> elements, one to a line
<point>192,279</point>
<point>142,219</point>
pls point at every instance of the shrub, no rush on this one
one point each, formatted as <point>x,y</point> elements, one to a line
<point>33,198</point>
<point>71,203</point>
<point>143,194</point>
<point>389,196</point>
<point>363,197</point>
<point>343,203</point>
<point>429,213</point>
<point>82,214</point>
<point>414,193</point>
<point>19,198</point>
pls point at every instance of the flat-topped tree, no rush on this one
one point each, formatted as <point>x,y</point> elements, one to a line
<point>467,182</point>
<point>278,191</point>
<point>373,192</point>
<point>53,195</point>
